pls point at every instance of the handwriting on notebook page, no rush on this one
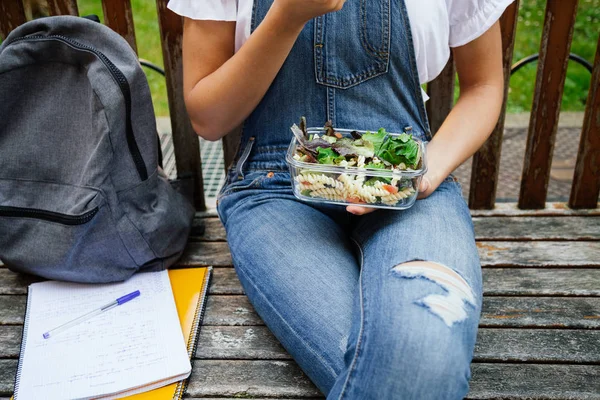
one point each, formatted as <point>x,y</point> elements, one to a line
<point>129,345</point>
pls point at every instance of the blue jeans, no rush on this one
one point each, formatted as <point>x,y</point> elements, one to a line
<point>334,289</point>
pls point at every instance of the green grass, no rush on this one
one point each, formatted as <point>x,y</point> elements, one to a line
<point>529,28</point>
<point>529,31</point>
<point>148,43</point>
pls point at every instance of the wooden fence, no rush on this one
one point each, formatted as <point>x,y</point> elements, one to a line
<point>554,50</point>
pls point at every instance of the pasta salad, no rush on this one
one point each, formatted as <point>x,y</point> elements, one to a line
<point>344,166</point>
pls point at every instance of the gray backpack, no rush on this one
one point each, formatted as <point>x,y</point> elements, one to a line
<point>81,198</point>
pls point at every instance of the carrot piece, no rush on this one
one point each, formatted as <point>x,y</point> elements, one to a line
<point>390,188</point>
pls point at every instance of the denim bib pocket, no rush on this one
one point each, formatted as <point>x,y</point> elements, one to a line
<point>352,45</point>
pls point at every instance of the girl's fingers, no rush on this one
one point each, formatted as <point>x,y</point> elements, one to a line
<point>424,186</point>
<point>358,210</point>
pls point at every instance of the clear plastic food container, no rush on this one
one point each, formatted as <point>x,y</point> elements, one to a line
<point>345,185</point>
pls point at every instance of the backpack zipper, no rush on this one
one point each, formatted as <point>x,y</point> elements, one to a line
<point>123,85</point>
<point>65,219</point>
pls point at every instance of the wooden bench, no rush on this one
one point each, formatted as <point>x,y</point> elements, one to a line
<point>540,326</point>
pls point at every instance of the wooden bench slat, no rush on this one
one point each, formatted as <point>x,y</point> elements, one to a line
<point>185,140</point>
<point>490,381</point>
<point>537,346</point>
<point>10,341</point>
<point>486,228</point>
<point>496,282</point>
<point>555,209</point>
<point>492,253</point>
<point>441,96</point>
<point>540,312</point>
<point>213,230</point>
<point>541,282</point>
<point>534,381</point>
<point>486,162</point>
<point>8,369</point>
<point>63,7</point>
<point>119,17</point>
<point>206,253</point>
<point>243,378</point>
<point>493,345</point>
<point>12,15</point>
<point>586,181</point>
<point>539,254</point>
<point>500,311</point>
<point>537,228</point>
<point>552,69</point>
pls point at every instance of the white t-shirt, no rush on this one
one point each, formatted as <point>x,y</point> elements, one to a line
<point>436,25</point>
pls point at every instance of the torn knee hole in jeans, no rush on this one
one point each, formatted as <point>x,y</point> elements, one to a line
<point>450,306</point>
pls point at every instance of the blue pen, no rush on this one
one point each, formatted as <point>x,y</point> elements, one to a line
<point>91,314</point>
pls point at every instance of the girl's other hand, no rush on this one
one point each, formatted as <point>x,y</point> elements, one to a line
<point>425,189</point>
<point>299,12</point>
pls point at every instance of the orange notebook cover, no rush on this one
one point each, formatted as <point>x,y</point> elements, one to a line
<point>190,287</point>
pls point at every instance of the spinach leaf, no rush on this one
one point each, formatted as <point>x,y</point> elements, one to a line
<point>328,156</point>
<point>400,149</point>
<point>375,138</point>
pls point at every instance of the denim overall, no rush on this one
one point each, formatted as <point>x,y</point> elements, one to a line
<point>328,284</point>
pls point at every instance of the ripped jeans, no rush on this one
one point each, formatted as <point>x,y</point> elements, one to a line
<point>381,306</point>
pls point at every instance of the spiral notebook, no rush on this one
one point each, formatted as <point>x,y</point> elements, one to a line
<point>139,350</point>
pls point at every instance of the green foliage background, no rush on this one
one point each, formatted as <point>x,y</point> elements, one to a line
<point>531,19</point>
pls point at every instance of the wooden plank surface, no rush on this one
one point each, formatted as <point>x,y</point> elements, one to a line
<point>206,253</point>
<point>541,282</point>
<point>496,282</point>
<point>185,140</point>
<point>538,346</point>
<point>555,254</point>
<point>63,7</point>
<point>537,228</point>
<point>8,369</point>
<point>535,381</point>
<point>555,209</point>
<point>586,182</point>
<point>486,162</point>
<point>12,15</point>
<point>527,312</point>
<point>538,312</point>
<point>213,230</point>
<point>492,253</point>
<point>244,378</point>
<point>539,254</point>
<point>486,228</point>
<point>493,345</point>
<point>119,17</point>
<point>441,96</point>
<point>552,70</point>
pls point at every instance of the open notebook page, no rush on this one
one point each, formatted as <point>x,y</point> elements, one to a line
<point>130,346</point>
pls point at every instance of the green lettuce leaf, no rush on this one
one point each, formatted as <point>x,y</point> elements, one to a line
<point>328,156</point>
<point>400,149</point>
<point>375,138</point>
